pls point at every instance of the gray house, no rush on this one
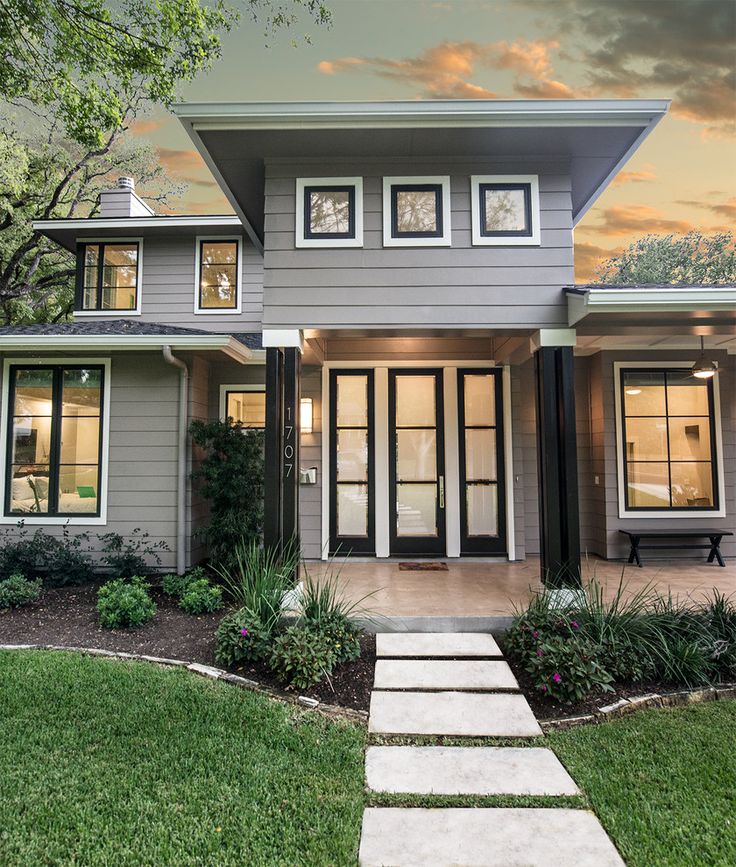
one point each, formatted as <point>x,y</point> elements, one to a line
<point>395,302</point>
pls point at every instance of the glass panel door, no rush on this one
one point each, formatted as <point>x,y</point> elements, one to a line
<point>482,494</point>
<point>416,462</point>
<point>351,462</point>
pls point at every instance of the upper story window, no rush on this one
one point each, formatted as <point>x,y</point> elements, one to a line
<point>416,211</point>
<point>55,440</point>
<point>505,209</point>
<point>217,288</point>
<point>668,432</point>
<point>108,277</point>
<point>329,212</point>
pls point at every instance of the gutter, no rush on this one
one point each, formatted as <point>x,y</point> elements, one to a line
<point>181,474</point>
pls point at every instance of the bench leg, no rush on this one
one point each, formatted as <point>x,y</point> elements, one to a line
<point>634,553</point>
<point>715,550</point>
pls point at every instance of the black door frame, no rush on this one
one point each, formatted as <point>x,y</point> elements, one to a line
<point>345,545</point>
<point>417,545</point>
<point>482,545</point>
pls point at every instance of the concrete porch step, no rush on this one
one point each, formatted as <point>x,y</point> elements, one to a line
<point>467,771</point>
<point>436,644</point>
<point>471,674</point>
<point>491,837</point>
<point>452,713</point>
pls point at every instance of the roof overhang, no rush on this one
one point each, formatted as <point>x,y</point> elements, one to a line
<point>642,307</point>
<point>67,232</point>
<point>594,138</point>
<point>221,343</point>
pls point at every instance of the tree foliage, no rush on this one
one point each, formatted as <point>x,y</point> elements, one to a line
<point>693,259</point>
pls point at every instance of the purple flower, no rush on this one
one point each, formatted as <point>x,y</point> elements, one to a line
<point>536,633</point>
<point>540,652</point>
<point>557,677</point>
<point>574,624</point>
<point>244,632</point>
<point>543,687</point>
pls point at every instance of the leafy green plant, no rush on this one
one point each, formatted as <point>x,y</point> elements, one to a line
<point>230,476</point>
<point>568,669</point>
<point>176,585</point>
<point>201,597</point>
<point>301,656</point>
<point>17,590</point>
<point>241,637</point>
<point>126,557</point>
<point>59,560</point>
<point>122,603</point>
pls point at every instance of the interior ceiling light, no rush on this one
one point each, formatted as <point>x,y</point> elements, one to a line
<point>633,391</point>
<point>704,369</point>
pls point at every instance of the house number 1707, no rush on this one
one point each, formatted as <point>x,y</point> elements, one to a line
<point>288,445</point>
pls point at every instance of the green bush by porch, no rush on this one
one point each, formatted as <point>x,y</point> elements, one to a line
<point>108,762</point>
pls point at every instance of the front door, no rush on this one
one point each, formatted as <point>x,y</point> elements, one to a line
<point>416,462</point>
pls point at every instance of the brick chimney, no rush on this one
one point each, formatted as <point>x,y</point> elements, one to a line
<point>122,201</point>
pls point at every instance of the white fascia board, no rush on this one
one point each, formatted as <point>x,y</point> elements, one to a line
<point>89,224</point>
<point>683,299</point>
<point>126,342</point>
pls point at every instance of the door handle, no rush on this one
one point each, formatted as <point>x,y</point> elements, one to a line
<point>441,481</point>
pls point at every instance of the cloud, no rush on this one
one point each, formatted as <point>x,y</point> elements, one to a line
<point>187,165</point>
<point>446,70</point>
<point>588,257</point>
<point>145,126</point>
<point>623,220</point>
<point>725,209</point>
<point>679,48</point>
<point>641,177</point>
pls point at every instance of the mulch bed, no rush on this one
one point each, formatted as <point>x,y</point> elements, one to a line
<point>67,616</point>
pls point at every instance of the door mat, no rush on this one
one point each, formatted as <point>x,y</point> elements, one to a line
<point>426,566</point>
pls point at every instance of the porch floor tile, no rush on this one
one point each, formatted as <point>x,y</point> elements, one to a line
<point>471,674</point>
<point>467,771</point>
<point>436,644</point>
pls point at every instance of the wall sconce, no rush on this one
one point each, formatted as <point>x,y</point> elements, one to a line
<point>306,415</point>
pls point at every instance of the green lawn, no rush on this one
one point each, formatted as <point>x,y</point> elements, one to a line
<point>115,763</point>
<point>663,782</point>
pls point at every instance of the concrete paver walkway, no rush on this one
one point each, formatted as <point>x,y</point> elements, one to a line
<point>449,685</point>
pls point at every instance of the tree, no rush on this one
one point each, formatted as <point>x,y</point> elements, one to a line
<point>85,59</point>
<point>43,176</point>
<point>692,259</point>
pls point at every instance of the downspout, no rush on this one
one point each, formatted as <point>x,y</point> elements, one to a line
<point>181,480</point>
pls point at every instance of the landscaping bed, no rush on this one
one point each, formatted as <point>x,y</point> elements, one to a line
<point>68,616</point>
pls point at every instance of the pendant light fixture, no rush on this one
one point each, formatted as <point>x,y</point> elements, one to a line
<point>703,369</point>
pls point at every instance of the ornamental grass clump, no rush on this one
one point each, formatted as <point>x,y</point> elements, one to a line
<point>17,590</point>
<point>124,603</point>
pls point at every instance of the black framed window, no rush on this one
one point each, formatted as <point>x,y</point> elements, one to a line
<point>669,441</point>
<point>246,407</point>
<point>416,211</point>
<point>107,276</point>
<point>329,212</point>
<point>505,210</point>
<point>54,440</point>
<point>218,275</point>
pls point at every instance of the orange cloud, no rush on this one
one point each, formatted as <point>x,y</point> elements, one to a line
<point>187,165</point>
<point>589,258</point>
<point>146,126</point>
<point>633,177</point>
<point>636,220</point>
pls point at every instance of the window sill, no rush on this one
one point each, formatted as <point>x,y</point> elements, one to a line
<point>73,521</point>
<point>675,514</point>
<point>116,313</point>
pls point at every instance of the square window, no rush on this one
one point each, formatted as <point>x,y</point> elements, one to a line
<point>108,276</point>
<point>505,210</point>
<point>329,212</point>
<point>416,211</point>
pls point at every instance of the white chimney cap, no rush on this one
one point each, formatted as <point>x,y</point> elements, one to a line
<point>126,183</point>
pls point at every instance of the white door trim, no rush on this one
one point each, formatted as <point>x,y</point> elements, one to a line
<point>452,463</point>
<point>508,461</point>
<point>381,434</point>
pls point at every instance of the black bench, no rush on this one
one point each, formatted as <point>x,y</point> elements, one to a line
<point>714,548</point>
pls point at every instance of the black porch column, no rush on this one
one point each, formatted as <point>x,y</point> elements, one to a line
<point>272,517</point>
<point>290,450</point>
<point>558,473</point>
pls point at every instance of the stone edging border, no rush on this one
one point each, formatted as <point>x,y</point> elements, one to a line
<point>209,671</point>
<point>625,706</point>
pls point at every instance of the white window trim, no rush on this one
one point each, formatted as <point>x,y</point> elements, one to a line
<point>139,279</point>
<point>72,520</point>
<point>237,386</point>
<point>301,241</point>
<point>226,311</point>
<point>670,514</point>
<point>480,240</point>
<point>445,240</point>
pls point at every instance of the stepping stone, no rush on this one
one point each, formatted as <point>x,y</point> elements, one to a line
<point>467,771</point>
<point>492,837</point>
<point>434,644</point>
<point>443,674</point>
<point>452,713</point>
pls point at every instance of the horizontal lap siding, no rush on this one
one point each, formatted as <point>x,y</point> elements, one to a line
<point>457,286</point>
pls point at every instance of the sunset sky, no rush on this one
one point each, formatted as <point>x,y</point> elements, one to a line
<point>684,175</point>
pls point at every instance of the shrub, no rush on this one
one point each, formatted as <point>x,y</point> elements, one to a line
<point>568,669</point>
<point>230,476</point>
<point>343,637</point>
<point>301,657</point>
<point>122,603</point>
<point>241,637</point>
<point>17,590</point>
<point>58,560</point>
<point>201,597</point>
<point>129,557</point>
<point>176,585</point>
